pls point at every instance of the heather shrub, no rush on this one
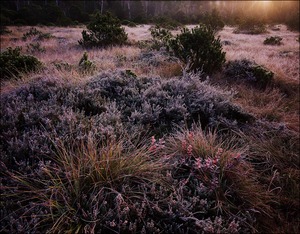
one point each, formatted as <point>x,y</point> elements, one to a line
<point>245,70</point>
<point>215,179</point>
<point>104,30</point>
<point>199,49</point>
<point>161,104</point>
<point>13,63</point>
<point>273,40</point>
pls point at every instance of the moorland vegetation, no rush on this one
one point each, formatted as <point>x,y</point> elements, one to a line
<point>160,136</point>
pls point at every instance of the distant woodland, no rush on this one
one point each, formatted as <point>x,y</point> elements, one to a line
<point>63,12</point>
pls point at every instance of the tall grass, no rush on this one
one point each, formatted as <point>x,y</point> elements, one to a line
<point>78,189</point>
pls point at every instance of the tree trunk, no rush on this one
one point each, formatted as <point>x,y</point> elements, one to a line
<point>101,11</point>
<point>18,5</point>
<point>129,9</point>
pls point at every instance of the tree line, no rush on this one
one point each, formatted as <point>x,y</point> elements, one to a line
<point>65,12</point>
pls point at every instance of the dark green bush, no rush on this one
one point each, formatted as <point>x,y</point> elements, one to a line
<point>245,70</point>
<point>251,25</point>
<point>85,65</point>
<point>213,20</point>
<point>160,37</point>
<point>199,49</point>
<point>13,63</point>
<point>104,30</point>
<point>273,40</point>
<point>167,22</point>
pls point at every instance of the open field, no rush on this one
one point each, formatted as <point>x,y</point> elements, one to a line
<point>138,145</point>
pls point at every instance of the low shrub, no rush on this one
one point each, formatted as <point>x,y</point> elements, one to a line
<point>128,23</point>
<point>104,30</point>
<point>214,177</point>
<point>85,65</point>
<point>167,23</point>
<point>34,33</point>
<point>13,63</point>
<point>248,71</point>
<point>251,26</point>
<point>199,49</point>
<point>35,47</point>
<point>273,40</point>
<point>160,37</point>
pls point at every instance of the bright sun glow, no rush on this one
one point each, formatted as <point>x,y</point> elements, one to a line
<point>265,3</point>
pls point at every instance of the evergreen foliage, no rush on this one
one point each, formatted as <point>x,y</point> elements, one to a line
<point>273,40</point>
<point>199,49</point>
<point>85,65</point>
<point>13,63</point>
<point>104,30</point>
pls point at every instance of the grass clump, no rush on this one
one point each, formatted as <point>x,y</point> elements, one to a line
<point>13,63</point>
<point>273,40</point>
<point>104,30</point>
<point>87,186</point>
<point>199,49</point>
<point>217,170</point>
<point>250,72</point>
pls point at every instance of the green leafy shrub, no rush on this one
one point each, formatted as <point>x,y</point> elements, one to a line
<point>85,65</point>
<point>213,20</point>
<point>251,26</point>
<point>104,30</point>
<point>245,70</point>
<point>273,40</point>
<point>160,37</point>
<point>13,63</point>
<point>199,49</point>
